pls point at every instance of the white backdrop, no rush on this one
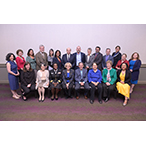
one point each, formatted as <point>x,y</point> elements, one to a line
<point>131,37</point>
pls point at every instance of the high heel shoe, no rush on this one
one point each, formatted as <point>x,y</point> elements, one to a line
<point>40,99</point>
<point>43,98</point>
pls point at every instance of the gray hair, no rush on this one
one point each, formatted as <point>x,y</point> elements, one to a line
<point>41,46</point>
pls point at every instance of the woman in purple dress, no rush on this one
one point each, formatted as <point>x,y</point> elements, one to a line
<point>12,74</point>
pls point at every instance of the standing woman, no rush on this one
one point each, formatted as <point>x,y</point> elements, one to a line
<point>68,79</point>
<point>116,55</point>
<point>57,59</point>
<point>135,64</point>
<point>12,74</point>
<point>20,62</point>
<point>42,82</point>
<point>31,59</point>
<point>50,59</point>
<point>123,84</point>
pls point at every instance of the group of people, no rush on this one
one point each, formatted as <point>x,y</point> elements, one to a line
<point>93,72</point>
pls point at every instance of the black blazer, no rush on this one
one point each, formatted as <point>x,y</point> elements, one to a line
<point>116,58</point>
<point>60,65</point>
<point>127,76</point>
<point>71,60</point>
<point>82,58</point>
<point>98,59</point>
<point>55,77</point>
<point>71,76</point>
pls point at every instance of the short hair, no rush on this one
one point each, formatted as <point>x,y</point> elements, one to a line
<point>108,49</point>
<point>29,52</point>
<point>98,47</point>
<point>67,64</point>
<point>94,63</point>
<point>118,47</point>
<point>90,49</point>
<point>19,50</point>
<point>80,63</point>
<point>126,65</point>
<point>41,46</point>
<point>124,54</point>
<point>59,53</point>
<point>50,51</point>
<point>109,61</point>
<point>9,55</point>
<point>133,54</point>
<point>24,68</point>
<point>55,63</point>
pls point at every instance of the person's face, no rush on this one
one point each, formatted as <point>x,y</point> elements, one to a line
<point>31,52</point>
<point>42,67</point>
<point>124,66</point>
<point>108,65</point>
<point>68,50</point>
<point>81,66</point>
<point>55,66</point>
<point>20,53</point>
<point>135,56</point>
<point>11,57</point>
<point>108,52</point>
<point>78,49</point>
<point>57,54</point>
<point>89,51</point>
<point>68,67</point>
<point>97,50</point>
<point>51,52</point>
<point>42,49</point>
<point>27,66</point>
<point>123,57</point>
<point>117,49</point>
<point>94,66</point>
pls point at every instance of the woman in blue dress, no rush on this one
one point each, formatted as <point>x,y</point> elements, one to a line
<point>135,64</point>
<point>12,74</point>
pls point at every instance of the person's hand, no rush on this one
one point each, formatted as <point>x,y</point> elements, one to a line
<point>93,82</point>
<point>45,67</point>
<point>82,84</point>
<point>131,70</point>
<point>87,66</point>
<point>48,84</point>
<point>107,83</point>
<point>28,85</point>
<point>96,83</point>
<point>122,82</point>
<point>17,74</point>
<point>55,84</point>
<point>67,85</point>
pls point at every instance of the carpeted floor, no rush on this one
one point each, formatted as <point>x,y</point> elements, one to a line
<point>72,109</point>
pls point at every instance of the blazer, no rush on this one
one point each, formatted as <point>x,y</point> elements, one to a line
<point>40,59</point>
<point>136,70</point>
<point>98,59</point>
<point>60,65</point>
<point>113,75</point>
<point>55,77</point>
<point>104,60</point>
<point>38,79</point>
<point>78,75</point>
<point>71,76</point>
<point>71,60</point>
<point>90,62</point>
<point>20,62</point>
<point>82,58</point>
<point>127,76</point>
<point>116,58</point>
<point>31,61</point>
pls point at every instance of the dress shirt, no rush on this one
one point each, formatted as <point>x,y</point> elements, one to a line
<point>78,58</point>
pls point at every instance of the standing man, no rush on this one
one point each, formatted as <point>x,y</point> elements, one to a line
<point>79,57</point>
<point>41,58</point>
<point>107,57</point>
<point>68,57</point>
<point>98,57</point>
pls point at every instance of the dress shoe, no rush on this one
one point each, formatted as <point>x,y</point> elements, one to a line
<point>100,102</point>
<point>52,99</point>
<point>71,96</point>
<point>77,97</point>
<point>107,99</point>
<point>56,98</point>
<point>40,99</point>
<point>24,98</point>
<point>91,101</point>
<point>86,97</point>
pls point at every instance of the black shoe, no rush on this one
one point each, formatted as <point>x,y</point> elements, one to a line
<point>91,101</point>
<point>107,99</point>
<point>56,98</point>
<point>43,100</point>
<point>71,96</point>
<point>66,97</point>
<point>24,99</point>
<point>52,99</point>
<point>100,102</point>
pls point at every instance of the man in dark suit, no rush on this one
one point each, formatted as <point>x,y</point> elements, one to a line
<point>81,80</point>
<point>68,57</point>
<point>78,57</point>
<point>107,57</point>
<point>98,57</point>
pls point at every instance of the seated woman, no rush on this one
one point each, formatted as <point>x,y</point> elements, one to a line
<point>123,84</point>
<point>123,60</point>
<point>95,78</point>
<point>55,81</point>
<point>68,79</point>
<point>42,82</point>
<point>27,80</point>
<point>109,77</point>
<point>12,74</point>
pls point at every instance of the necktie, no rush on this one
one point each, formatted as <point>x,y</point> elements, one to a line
<point>96,55</point>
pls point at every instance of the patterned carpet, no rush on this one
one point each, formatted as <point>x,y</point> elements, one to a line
<point>72,109</point>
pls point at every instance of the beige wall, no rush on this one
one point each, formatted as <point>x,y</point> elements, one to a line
<point>130,37</point>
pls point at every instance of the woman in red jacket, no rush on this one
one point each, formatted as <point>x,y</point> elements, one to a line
<point>20,62</point>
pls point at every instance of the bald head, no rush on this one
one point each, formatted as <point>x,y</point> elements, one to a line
<point>68,50</point>
<point>78,49</point>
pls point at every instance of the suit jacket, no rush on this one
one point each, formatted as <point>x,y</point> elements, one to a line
<point>104,60</point>
<point>82,58</point>
<point>127,76</point>
<point>98,59</point>
<point>71,60</point>
<point>40,59</point>
<point>90,62</point>
<point>136,68</point>
<point>55,77</point>
<point>116,58</point>
<point>60,65</point>
<point>78,75</point>
<point>71,76</point>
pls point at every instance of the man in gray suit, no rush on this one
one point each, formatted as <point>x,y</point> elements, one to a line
<point>89,59</point>
<point>41,58</point>
<point>81,80</point>
<point>107,57</point>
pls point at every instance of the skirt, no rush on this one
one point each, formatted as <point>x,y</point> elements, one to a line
<point>134,82</point>
<point>123,89</point>
<point>52,86</point>
<point>42,83</point>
